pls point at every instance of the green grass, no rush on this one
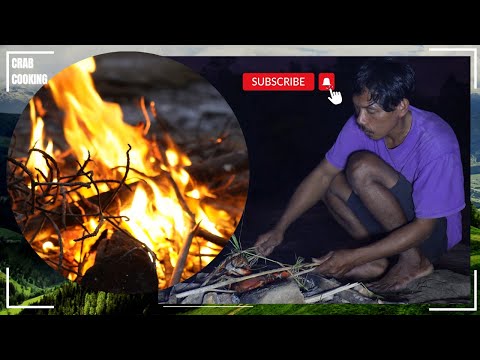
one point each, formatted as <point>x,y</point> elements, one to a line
<point>26,290</point>
<point>475,262</point>
<point>32,293</point>
<point>474,233</point>
<point>320,309</point>
<point>15,284</point>
<point>474,243</point>
<point>25,303</point>
<point>10,235</point>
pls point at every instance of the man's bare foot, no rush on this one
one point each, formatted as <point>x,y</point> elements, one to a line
<point>411,265</point>
<point>368,271</point>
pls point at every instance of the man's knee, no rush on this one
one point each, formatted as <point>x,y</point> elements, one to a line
<point>338,188</point>
<point>365,167</point>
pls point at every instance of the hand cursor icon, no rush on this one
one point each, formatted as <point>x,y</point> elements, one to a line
<point>336,97</point>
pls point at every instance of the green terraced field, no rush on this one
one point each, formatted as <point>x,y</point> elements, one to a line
<point>475,189</point>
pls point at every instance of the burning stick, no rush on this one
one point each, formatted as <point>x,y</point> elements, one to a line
<point>177,273</point>
<point>60,240</point>
<point>163,156</point>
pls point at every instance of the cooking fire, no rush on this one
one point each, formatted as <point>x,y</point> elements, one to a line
<point>117,204</point>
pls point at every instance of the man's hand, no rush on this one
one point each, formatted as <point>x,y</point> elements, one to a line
<point>268,241</point>
<point>336,263</point>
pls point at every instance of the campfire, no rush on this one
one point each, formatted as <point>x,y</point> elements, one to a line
<point>124,205</point>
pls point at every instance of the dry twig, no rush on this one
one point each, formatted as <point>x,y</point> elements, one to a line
<point>182,258</point>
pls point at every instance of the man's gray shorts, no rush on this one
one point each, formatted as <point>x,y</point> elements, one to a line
<point>433,247</point>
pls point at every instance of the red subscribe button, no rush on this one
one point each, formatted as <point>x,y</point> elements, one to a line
<point>278,81</point>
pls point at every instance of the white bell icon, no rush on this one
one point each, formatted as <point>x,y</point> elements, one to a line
<point>326,82</point>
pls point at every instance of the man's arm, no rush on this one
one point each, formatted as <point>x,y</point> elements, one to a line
<point>308,193</point>
<point>338,263</point>
<point>406,237</point>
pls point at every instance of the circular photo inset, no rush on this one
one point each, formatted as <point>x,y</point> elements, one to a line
<point>128,172</point>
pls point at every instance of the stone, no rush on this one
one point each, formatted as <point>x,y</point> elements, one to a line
<point>286,292</point>
<point>440,285</point>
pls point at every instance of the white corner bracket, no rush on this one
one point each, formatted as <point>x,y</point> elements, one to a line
<point>7,298</point>
<point>475,298</point>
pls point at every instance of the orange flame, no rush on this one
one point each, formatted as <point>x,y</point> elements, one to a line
<point>90,124</point>
<point>156,215</point>
<point>36,160</point>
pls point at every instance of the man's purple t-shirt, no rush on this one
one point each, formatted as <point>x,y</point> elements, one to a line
<point>429,158</point>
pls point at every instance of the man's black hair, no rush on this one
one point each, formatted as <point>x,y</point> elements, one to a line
<point>387,81</point>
